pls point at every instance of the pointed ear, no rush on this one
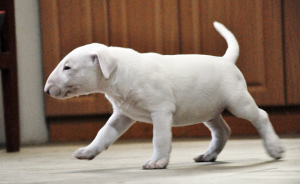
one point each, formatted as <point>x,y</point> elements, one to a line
<point>107,61</point>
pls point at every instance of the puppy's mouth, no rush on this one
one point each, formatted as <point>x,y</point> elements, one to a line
<point>63,93</point>
<point>71,92</point>
<point>68,93</point>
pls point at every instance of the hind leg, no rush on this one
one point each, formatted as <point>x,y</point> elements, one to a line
<point>244,107</point>
<point>220,132</point>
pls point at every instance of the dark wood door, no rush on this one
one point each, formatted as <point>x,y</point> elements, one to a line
<point>258,29</point>
<point>166,27</point>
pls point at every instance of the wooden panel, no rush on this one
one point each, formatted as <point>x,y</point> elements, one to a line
<point>257,27</point>
<point>291,10</point>
<point>143,25</point>
<point>66,25</point>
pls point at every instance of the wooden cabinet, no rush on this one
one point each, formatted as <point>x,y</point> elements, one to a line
<point>269,65</point>
<point>167,27</point>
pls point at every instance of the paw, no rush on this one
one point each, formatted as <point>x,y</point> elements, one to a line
<point>156,164</point>
<point>274,148</point>
<point>85,153</point>
<point>206,157</point>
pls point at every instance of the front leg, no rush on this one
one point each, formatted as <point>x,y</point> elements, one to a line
<point>162,140</point>
<point>116,125</point>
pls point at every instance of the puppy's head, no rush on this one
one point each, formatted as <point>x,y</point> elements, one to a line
<point>81,72</point>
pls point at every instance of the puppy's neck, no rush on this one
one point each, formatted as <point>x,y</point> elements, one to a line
<point>119,84</point>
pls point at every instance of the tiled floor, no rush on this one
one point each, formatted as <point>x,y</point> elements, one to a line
<point>242,161</point>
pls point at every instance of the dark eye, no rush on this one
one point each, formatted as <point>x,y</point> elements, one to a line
<point>67,68</point>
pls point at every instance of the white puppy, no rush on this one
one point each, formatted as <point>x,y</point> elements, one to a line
<point>165,90</point>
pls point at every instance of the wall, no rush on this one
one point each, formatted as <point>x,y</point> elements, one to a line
<point>32,119</point>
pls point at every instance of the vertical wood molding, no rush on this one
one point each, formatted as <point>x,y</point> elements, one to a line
<point>273,52</point>
<point>196,31</point>
<point>190,23</point>
<point>158,27</point>
<point>124,23</point>
<point>291,18</point>
<point>50,35</point>
<point>118,23</point>
<point>50,41</point>
<point>89,20</point>
<point>259,47</point>
<point>100,22</point>
<point>170,20</point>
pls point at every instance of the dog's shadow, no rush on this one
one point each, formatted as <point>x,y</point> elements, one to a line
<point>226,165</point>
<point>190,168</point>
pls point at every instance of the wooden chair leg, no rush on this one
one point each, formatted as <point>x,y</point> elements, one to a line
<point>11,109</point>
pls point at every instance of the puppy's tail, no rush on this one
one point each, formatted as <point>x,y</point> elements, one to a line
<point>233,50</point>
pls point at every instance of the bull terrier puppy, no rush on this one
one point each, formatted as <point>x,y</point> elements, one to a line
<point>165,90</point>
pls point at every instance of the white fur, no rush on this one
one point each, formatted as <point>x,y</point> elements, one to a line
<point>165,90</point>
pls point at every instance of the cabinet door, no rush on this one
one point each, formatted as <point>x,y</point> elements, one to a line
<point>66,25</point>
<point>257,27</point>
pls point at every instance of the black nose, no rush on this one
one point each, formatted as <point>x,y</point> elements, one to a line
<point>48,91</point>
